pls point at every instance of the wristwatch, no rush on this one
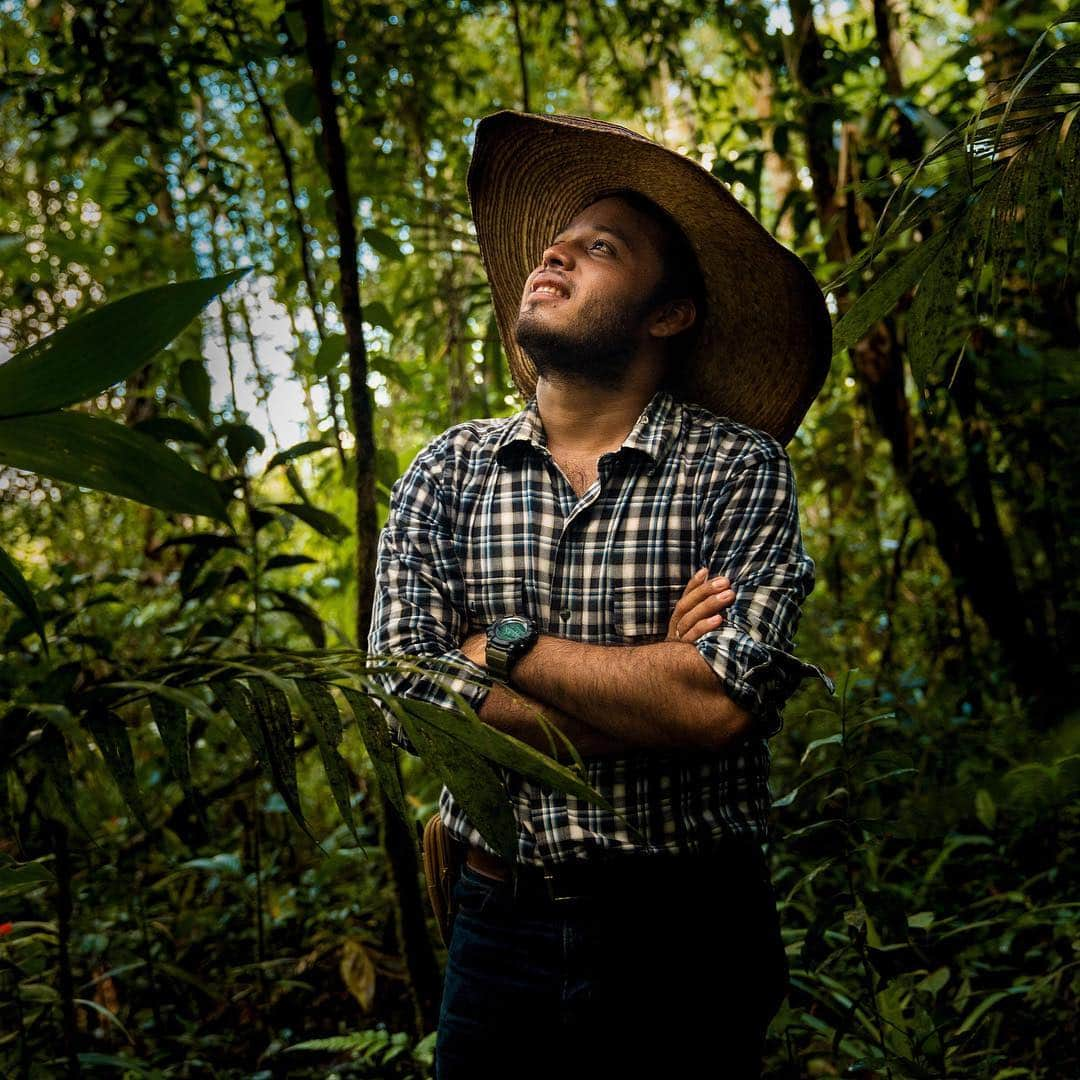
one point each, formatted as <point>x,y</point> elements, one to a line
<point>508,640</point>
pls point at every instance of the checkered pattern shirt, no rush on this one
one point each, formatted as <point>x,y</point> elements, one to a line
<point>484,524</point>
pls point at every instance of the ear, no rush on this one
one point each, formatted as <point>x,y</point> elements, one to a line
<point>672,318</point>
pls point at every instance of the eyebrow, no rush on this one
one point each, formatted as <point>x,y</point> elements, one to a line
<point>611,230</point>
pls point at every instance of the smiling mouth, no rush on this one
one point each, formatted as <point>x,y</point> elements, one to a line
<point>548,290</point>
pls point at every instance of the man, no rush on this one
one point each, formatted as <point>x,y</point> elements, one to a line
<point>624,557</point>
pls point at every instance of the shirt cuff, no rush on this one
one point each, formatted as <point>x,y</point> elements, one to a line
<point>756,676</point>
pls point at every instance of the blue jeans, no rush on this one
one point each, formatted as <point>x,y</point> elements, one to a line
<point>677,978</point>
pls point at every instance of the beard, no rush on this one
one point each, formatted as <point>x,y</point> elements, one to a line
<point>596,350</point>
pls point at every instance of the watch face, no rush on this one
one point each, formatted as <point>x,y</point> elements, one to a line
<point>511,631</point>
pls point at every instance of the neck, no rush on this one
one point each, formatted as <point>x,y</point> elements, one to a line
<point>586,419</point>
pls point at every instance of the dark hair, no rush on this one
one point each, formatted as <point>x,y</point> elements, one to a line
<point>680,273</point>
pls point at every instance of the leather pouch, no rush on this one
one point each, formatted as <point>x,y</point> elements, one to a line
<point>443,859</point>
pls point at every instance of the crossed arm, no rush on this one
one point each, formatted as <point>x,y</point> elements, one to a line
<point>611,699</point>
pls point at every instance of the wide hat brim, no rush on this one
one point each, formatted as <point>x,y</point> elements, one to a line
<point>763,350</point>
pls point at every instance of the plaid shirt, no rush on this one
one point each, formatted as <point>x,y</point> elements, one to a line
<point>483,524</point>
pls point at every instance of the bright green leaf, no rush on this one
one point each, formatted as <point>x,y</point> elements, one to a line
<point>99,349</point>
<point>79,449</point>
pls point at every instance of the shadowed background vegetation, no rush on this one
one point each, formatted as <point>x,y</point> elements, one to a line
<point>207,855</point>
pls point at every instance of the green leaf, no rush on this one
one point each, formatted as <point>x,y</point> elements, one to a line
<point>170,427</point>
<point>932,309</point>
<point>829,740</point>
<point>1002,226</point>
<point>328,734</point>
<point>322,521</point>
<point>80,449</point>
<point>330,353</point>
<point>271,706</point>
<point>111,737</point>
<point>99,349</point>
<point>883,296</point>
<point>236,701</point>
<point>13,585</point>
<point>240,439</point>
<point>985,810</point>
<point>171,721</point>
<point>301,102</point>
<point>503,749</point>
<point>53,752</point>
<point>177,695</point>
<point>195,383</point>
<point>1070,185</point>
<point>475,784</point>
<point>304,614</point>
<point>280,562</point>
<point>293,452</point>
<point>18,878</point>
<point>378,314</point>
<point>1037,191</point>
<point>386,365</point>
<point>987,1004</point>
<point>376,738</point>
<point>387,469</point>
<point>382,244</point>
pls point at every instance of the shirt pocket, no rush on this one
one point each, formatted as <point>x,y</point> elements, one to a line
<point>488,598</point>
<point>642,612</point>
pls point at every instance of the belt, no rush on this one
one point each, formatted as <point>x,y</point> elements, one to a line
<point>587,879</point>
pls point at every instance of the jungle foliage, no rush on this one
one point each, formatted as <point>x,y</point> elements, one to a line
<point>239,289</point>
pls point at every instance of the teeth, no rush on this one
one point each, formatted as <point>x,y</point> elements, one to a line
<point>549,290</point>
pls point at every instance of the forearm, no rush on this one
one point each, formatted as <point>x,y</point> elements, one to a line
<point>515,713</point>
<point>662,695</point>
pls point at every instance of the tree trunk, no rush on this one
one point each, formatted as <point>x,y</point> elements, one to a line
<point>398,842</point>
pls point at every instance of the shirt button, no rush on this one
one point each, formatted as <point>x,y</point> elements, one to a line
<point>565,614</point>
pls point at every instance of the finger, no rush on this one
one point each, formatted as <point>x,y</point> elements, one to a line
<point>692,597</point>
<point>701,627</point>
<point>710,605</point>
<point>696,580</point>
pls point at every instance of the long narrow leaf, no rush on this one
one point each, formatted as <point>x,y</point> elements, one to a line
<point>111,737</point>
<point>885,293</point>
<point>236,701</point>
<point>505,750</point>
<point>376,738</point>
<point>475,784</point>
<point>322,521</point>
<point>326,724</point>
<point>170,719</point>
<point>101,348</point>
<point>79,449</point>
<point>13,585</point>
<point>934,305</point>
<point>275,717</point>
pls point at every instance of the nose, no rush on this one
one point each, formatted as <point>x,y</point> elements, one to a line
<point>557,255</point>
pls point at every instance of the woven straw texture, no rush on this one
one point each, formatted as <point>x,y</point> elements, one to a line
<point>764,350</point>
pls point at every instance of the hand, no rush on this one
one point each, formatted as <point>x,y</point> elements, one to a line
<point>698,609</point>
<point>475,648</point>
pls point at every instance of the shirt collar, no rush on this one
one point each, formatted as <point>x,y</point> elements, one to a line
<point>651,434</point>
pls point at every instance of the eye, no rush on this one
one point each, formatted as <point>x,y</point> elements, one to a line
<point>602,244</point>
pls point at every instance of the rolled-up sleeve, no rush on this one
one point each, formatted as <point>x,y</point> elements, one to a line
<point>750,534</point>
<point>419,609</point>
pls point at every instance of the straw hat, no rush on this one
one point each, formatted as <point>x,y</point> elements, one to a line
<point>763,352</point>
